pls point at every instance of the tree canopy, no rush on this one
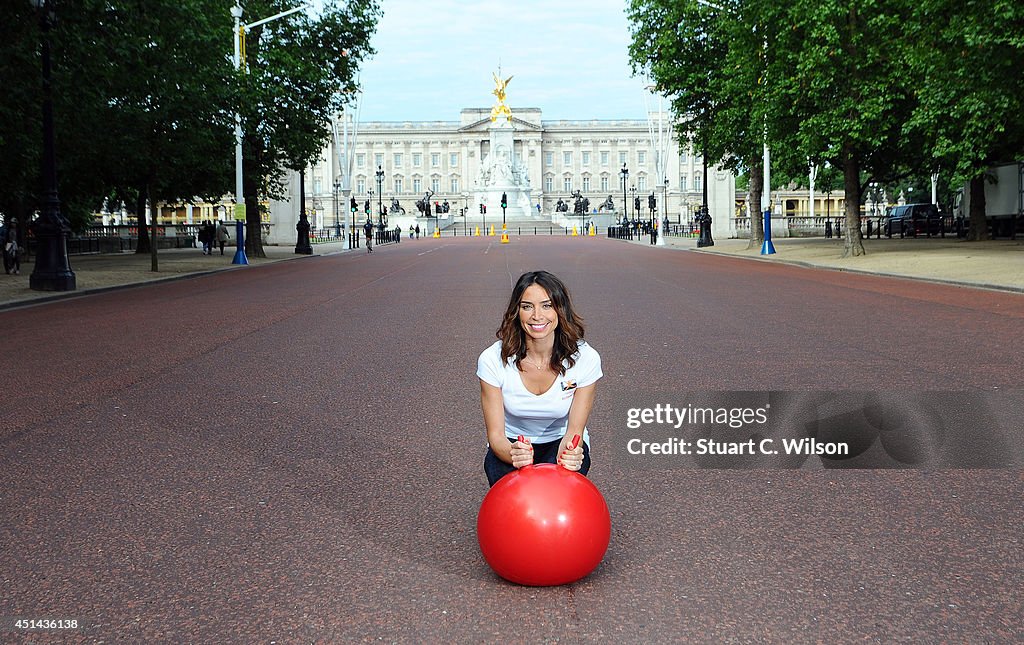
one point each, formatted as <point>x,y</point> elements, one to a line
<point>145,94</point>
<point>881,90</point>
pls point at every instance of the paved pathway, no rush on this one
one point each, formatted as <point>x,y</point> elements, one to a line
<point>996,264</point>
<point>292,453</point>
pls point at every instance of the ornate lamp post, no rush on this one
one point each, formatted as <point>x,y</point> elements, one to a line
<point>302,245</point>
<point>366,210</point>
<point>52,271</point>
<point>705,238</point>
<point>380,201</point>
<point>337,212</point>
<point>625,176</point>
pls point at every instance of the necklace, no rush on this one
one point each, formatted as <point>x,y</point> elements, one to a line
<point>531,362</point>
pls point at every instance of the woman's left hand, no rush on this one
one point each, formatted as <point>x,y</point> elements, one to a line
<point>572,458</point>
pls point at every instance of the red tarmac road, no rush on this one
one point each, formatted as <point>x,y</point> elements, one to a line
<point>293,453</point>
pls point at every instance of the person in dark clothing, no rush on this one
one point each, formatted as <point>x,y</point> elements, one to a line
<point>12,255</point>
<point>368,232</point>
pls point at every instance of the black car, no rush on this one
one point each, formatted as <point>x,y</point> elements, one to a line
<point>912,219</point>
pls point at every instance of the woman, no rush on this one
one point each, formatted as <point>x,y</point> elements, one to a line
<point>537,381</point>
<point>222,235</point>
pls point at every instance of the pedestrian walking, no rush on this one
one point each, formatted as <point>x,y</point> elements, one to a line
<point>537,381</point>
<point>206,236</point>
<point>398,233</point>
<point>11,249</point>
<point>368,231</point>
<point>222,235</point>
<point>417,231</point>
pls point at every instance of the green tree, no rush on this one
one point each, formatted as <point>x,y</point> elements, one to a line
<point>968,60</point>
<point>166,93</point>
<point>20,109</point>
<point>842,94</point>
<point>299,72</point>
<point>709,62</point>
<point>140,92</point>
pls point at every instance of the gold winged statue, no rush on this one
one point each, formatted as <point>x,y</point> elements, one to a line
<point>500,109</point>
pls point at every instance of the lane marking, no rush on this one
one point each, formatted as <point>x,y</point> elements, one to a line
<point>437,248</point>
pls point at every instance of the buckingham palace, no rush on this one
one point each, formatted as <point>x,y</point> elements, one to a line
<point>383,163</point>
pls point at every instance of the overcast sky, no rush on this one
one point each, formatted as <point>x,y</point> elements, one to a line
<point>434,57</point>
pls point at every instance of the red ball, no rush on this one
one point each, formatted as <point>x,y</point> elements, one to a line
<point>543,525</point>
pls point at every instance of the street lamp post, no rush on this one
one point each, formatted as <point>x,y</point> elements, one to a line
<point>705,238</point>
<point>380,200</point>
<point>240,215</point>
<point>367,210</point>
<point>337,212</point>
<point>632,192</point>
<point>625,176</point>
<point>52,270</point>
<point>302,245</point>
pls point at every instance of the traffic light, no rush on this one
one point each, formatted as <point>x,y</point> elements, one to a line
<point>366,207</point>
<point>504,200</point>
<point>354,205</point>
<point>481,209</point>
<point>652,202</point>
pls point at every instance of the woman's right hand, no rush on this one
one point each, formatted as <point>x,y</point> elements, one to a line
<point>521,453</point>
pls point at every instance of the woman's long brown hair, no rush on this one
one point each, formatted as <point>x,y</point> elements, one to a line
<point>568,333</point>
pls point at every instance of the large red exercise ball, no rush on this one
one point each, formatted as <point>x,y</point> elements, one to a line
<point>543,525</point>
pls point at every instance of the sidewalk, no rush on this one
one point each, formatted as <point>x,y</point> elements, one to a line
<point>106,271</point>
<point>993,264</point>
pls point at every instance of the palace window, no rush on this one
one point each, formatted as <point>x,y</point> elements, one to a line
<point>455,185</point>
<point>435,185</point>
<point>398,185</point>
<point>360,160</point>
<point>360,186</point>
<point>566,158</point>
<point>641,157</point>
<point>549,159</point>
<point>567,184</point>
<point>604,157</point>
<point>549,185</point>
<point>586,157</point>
<point>453,160</point>
<point>586,184</point>
<point>435,159</point>
<point>398,160</point>
<point>417,159</point>
<point>604,184</point>
<point>378,159</point>
<point>417,186</point>
<point>623,156</point>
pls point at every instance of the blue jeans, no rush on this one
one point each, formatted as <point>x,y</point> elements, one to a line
<point>543,453</point>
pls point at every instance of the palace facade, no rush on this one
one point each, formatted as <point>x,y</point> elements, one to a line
<point>444,158</point>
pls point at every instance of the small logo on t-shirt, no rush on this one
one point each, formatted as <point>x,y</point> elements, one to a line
<point>568,385</point>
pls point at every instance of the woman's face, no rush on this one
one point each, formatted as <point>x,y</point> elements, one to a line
<point>537,314</point>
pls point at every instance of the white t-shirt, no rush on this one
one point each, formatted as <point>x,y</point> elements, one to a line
<point>538,417</point>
